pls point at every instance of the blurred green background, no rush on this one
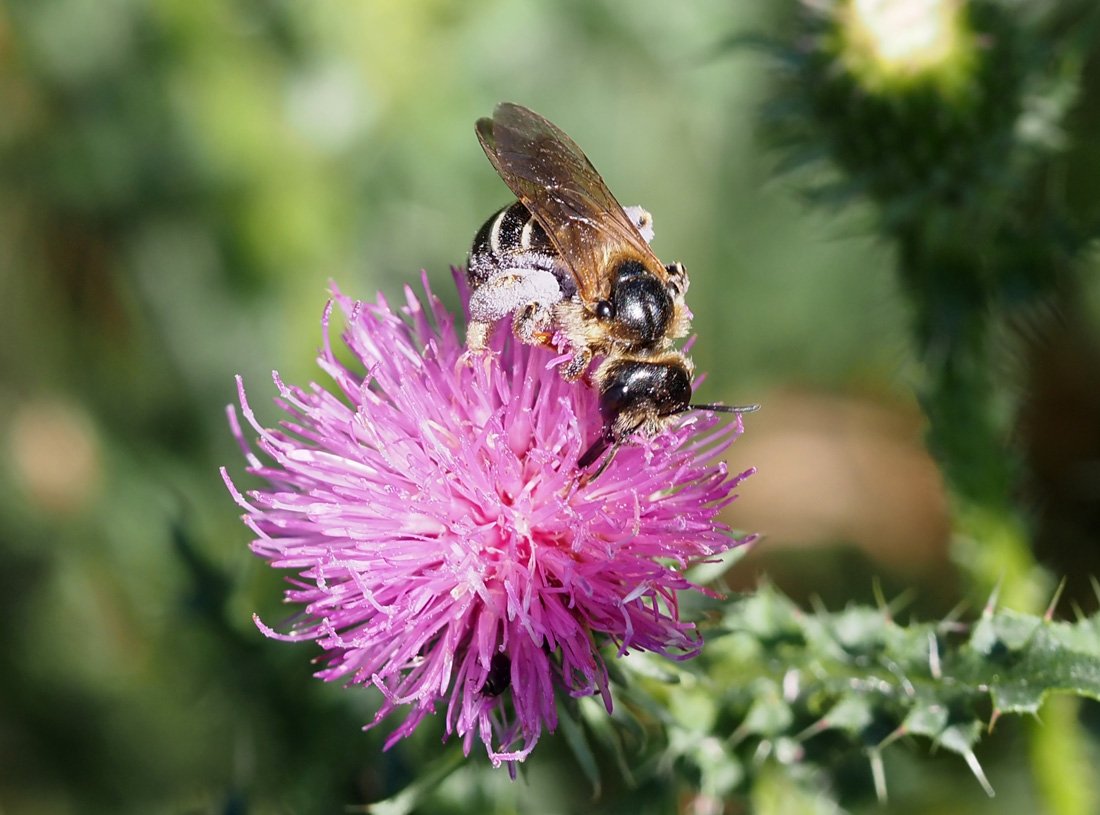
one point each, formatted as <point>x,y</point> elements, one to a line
<point>180,181</point>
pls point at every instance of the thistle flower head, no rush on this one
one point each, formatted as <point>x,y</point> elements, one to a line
<point>444,550</point>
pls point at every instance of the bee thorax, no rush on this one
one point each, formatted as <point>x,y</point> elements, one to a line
<point>641,305</point>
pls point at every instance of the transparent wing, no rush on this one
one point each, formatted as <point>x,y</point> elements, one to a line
<point>549,173</point>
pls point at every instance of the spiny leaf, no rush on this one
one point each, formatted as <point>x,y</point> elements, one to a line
<point>852,714</point>
<point>773,675</point>
<point>769,714</point>
<point>1023,658</point>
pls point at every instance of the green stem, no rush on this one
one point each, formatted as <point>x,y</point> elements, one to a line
<point>970,421</point>
<point>970,414</point>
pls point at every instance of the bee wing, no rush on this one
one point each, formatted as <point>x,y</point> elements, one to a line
<point>553,178</point>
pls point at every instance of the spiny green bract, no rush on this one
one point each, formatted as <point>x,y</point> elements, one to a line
<point>774,678</point>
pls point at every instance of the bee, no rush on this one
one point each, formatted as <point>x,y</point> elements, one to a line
<point>500,676</point>
<point>570,264</point>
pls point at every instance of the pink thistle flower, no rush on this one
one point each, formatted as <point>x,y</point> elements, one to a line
<point>445,551</point>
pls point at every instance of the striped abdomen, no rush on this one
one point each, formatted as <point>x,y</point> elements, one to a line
<point>510,238</point>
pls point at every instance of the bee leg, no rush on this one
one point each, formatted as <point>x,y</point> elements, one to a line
<point>508,291</point>
<point>594,452</point>
<point>574,369</point>
<point>478,333</point>
<point>531,324</point>
<point>477,336</point>
<point>642,221</point>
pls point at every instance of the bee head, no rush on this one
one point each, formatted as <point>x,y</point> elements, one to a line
<point>634,393</point>
<point>637,395</point>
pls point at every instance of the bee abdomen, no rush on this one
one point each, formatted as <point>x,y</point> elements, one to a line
<point>511,231</point>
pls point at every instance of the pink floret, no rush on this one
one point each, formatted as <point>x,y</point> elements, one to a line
<point>429,508</point>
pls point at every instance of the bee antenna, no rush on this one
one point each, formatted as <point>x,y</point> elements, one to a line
<point>726,408</point>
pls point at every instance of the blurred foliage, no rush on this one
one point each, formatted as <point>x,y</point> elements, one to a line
<point>948,117</point>
<point>180,179</point>
<point>945,116</point>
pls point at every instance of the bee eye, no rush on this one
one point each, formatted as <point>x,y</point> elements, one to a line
<point>605,310</point>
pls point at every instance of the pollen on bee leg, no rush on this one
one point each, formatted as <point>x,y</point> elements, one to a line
<point>477,336</point>
<point>642,220</point>
<point>531,324</point>
<point>575,368</point>
<point>509,290</point>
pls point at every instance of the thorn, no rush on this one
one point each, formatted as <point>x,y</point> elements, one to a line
<point>893,736</point>
<point>991,603</point>
<point>1049,614</point>
<point>1095,585</point>
<point>891,608</point>
<point>818,605</point>
<point>976,769</point>
<point>880,597</point>
<point>792,681</point>
<point>951,619</point>
<point>1078,612</point>
<point>993,719</point>
<point>878,773</point>
<point>820,726</point>
<point>934,666</point>
<point>902,600</point>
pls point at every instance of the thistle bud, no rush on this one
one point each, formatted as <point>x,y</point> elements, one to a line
<point>889,45</point>
<point>920,104</point>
